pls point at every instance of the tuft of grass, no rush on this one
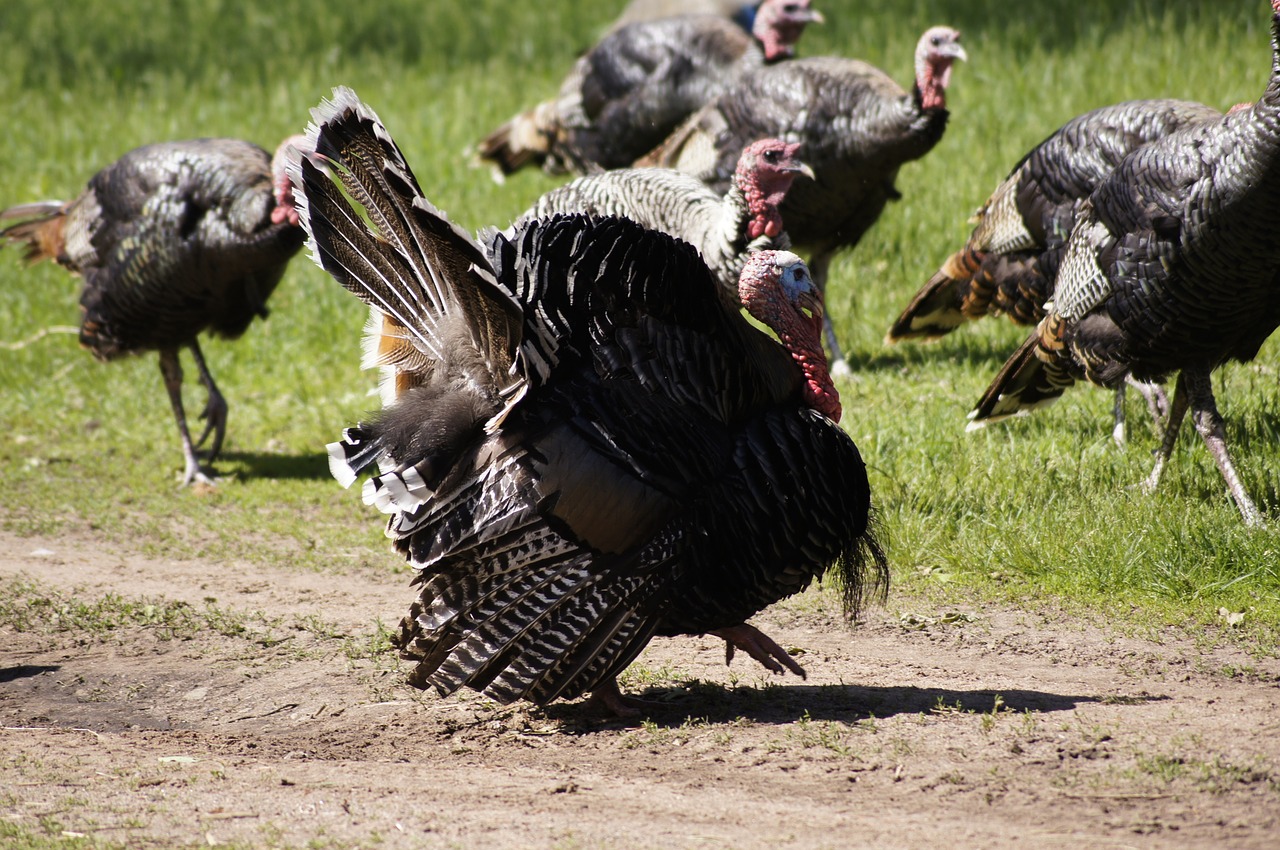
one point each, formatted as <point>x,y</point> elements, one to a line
<point>1041,507</point>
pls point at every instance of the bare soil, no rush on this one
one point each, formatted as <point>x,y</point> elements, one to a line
<point>284,723</point>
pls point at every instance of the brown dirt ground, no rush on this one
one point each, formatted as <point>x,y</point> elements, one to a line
<point>999,729</point>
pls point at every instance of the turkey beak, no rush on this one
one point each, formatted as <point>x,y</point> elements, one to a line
<point>809,303</point>
<point>794,164</point>
<point>813,16</point>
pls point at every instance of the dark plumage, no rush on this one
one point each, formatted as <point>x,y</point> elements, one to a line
<point>593,449</point>
<point>638,83</point>
<point>172,239</point>
<point>724,228</point>
<point>856,127</point>
<point>1010,261</point>
<point>741,13</point>
<point>1172,266</point>
<point>1008,265</point>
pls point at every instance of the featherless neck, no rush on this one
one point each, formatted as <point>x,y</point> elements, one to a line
<point>759,206</point>
<point>799,333</point>
<point>819,391</point>
<point>931,83</point>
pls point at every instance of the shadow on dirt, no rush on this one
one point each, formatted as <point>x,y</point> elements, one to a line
<point>247,465</point>
<point>25,671</point>
<point>778,704</point>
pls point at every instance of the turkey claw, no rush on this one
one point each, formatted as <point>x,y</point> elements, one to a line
<point>759,646</point>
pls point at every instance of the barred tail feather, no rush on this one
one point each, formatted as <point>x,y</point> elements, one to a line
<point>352,453</point>
<point>938,308</point>
<point>1025,382</point>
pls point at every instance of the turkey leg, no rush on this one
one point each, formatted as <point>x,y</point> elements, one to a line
<point>1177,411</point>
<point>215,410</point>
<point>1204,413</point>
<point>171,371</point>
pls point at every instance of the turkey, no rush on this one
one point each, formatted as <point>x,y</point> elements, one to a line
<point>1172,266</point>
<point>742,14</point>
<point>1010,260</point>
<point>633,88</point>
<point>595,449</point>
<point>724,228</point>
<point>173,239</point>
<point>857,128</point>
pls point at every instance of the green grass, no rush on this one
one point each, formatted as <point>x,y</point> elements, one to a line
<point>1044,503</point>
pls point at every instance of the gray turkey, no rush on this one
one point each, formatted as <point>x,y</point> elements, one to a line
<point>172,239</point>
<point>1009,263</point>
<point>742,14</point>
<point>856,125</point>
<point>724,228</point>
<point>1172,266</point>
<point>594,449</point>
<point>633,88</point>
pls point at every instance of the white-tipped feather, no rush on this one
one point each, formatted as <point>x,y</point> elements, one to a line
<point>338,466</point>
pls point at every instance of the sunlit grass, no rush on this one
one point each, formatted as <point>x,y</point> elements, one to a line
<point>1046,502</point>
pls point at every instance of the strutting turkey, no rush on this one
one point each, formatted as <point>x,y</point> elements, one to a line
<point>1010,260</point>
<point>171,240</point>
<point>724,228</point>
<point>1172,266</point>
<point>633,88</point>
<point>857,127</point>
<point>595,449</point>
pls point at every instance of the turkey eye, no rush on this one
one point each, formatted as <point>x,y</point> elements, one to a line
<point>936,40</point>
<point>770,156</point>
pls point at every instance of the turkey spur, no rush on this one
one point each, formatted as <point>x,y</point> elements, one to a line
<point>582,445</point>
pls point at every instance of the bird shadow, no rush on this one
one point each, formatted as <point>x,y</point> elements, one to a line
<point>784,704</point>
<point>25,671</point>
<point>250,465</point>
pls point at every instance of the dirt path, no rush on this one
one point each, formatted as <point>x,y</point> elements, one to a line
<point>265,712</point>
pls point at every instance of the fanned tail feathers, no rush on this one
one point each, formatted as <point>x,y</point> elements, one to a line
<point>424,274</point>
<point>515,609</point>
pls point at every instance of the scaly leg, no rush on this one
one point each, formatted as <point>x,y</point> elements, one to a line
<point>759,646</point>
<point>215,410</point>
<point>1204,413</point>
<point>1177,411</point>
<point>171,371</point>
<point>1157,403</point>
<point>1117,414</point>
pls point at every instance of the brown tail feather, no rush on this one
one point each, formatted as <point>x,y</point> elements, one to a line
<point>1029,379</point>
<point>527,138</point>
<point>41,232</point>
<point>940,305</point>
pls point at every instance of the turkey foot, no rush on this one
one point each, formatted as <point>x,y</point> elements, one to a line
<point>759,646</point>
<point>171,370</point>
<point>215,409</point>
<point>608,699</point>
